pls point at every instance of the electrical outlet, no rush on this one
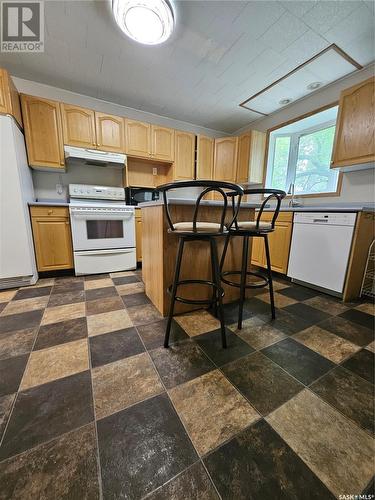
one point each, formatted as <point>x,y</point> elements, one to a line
<point>59,188</point>
<point>154,171</point>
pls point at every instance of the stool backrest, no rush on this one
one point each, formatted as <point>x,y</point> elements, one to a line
<point>276,194</point>
<point>210,186</point>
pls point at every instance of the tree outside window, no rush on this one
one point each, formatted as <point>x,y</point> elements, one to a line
<point>302,157</point>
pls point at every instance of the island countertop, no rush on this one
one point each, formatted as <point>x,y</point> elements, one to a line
<point>159,249</point>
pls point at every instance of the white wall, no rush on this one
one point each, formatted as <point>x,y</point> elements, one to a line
<point>356,186</point>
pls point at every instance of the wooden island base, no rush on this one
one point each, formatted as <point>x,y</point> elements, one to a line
<point>159,250</point>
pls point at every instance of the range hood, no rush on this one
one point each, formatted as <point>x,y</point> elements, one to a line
<point>84,156</point>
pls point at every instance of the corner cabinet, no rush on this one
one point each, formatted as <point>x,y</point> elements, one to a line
<point>52,237</point>
<point>355,130</point>
<point>43,132</point>
<point>279,243</point>
<point>183,168</point>
<point>78,126</point>
<point>251,155</point>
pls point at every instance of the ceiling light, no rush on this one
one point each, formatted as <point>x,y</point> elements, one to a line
<point>313,86</point>
<point>283,102</point>
<point>146,21</point>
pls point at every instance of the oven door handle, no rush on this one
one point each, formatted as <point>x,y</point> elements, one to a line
<point>111,216</point>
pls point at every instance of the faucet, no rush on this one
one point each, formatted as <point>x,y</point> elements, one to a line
<point>292,201</point>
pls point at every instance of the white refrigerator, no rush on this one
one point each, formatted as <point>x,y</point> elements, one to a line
<point>17,258</point>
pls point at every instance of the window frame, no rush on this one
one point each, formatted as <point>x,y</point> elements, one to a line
<point>272,138</point>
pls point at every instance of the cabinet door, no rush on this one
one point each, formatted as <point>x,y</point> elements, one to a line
<point>205,157</point>
<point>355,130</point>
<point>138,238</point>
<point>244,142</point>
<point>78,126</point>
<point>43,132</point>
<point>257,252</point>
<point>162,143</point>
<point>110,132</point>
<point>279,242</point>
<point>184,156</point>
<point>53,243</point>
<point>257,156</point>
<point>138,137</point>
<point>225,160</point>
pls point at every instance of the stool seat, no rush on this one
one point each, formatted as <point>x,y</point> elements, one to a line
<point>201,227</point>
<point>253,226</point>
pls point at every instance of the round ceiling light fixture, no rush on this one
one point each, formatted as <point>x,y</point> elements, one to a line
<point>146,21</point>
<point>284,102</point>
<point>313,86</point>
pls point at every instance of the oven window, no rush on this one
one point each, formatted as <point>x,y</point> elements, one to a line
<point>100,229</point>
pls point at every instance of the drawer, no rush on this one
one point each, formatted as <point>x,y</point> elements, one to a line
<point>49,211</point>
<point>282,217</point>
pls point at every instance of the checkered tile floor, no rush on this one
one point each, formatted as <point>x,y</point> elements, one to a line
<point>92,406</point>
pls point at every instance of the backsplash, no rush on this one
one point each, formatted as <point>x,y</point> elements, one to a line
<point>45,182</point>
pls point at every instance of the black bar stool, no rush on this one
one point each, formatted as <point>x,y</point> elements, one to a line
<point>204,231</point>
<point>252,229</point>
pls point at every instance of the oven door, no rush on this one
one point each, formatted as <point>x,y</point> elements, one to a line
<point>102,229</point>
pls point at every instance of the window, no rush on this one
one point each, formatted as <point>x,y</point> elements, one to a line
<point>300,154</point>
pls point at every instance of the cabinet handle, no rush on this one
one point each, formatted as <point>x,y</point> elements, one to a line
<point>50,212</point>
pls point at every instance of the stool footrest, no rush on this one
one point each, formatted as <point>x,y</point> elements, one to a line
<point>264,279</point>
<point>203,302</point>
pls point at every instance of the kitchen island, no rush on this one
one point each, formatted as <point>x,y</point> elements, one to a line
<point>159,250</point>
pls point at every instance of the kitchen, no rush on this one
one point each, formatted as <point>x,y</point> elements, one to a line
<point>84,300</point>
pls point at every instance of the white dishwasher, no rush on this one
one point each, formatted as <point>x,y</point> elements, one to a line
<point>320,248</point>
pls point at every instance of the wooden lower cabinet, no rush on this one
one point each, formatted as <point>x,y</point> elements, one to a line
<point>279,243</point>
<point>52,238</point>
<point>138,234</point>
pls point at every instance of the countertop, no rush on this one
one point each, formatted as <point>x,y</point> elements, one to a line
<point>186,201</point>
<point>48,203</point>
<point>334,207</point>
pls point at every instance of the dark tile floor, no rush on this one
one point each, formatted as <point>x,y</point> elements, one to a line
<point>92,406</point>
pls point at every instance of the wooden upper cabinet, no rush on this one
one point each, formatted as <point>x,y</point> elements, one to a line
<point>225,159</point>
<point>138,138</point>
<point>43,132</point>
<point>244,143</point>
<point>9,98</point>
<point>184,156</point>
<point>205,157</point>
<point>110,132</point>
<point>355,129</point>
<point>78,126</point>
<point>257,156</point>
<point>162,143</point>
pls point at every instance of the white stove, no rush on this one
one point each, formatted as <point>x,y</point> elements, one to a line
<point>103,229</point>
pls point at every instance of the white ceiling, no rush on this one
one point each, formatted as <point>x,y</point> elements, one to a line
<point>221,53</point>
